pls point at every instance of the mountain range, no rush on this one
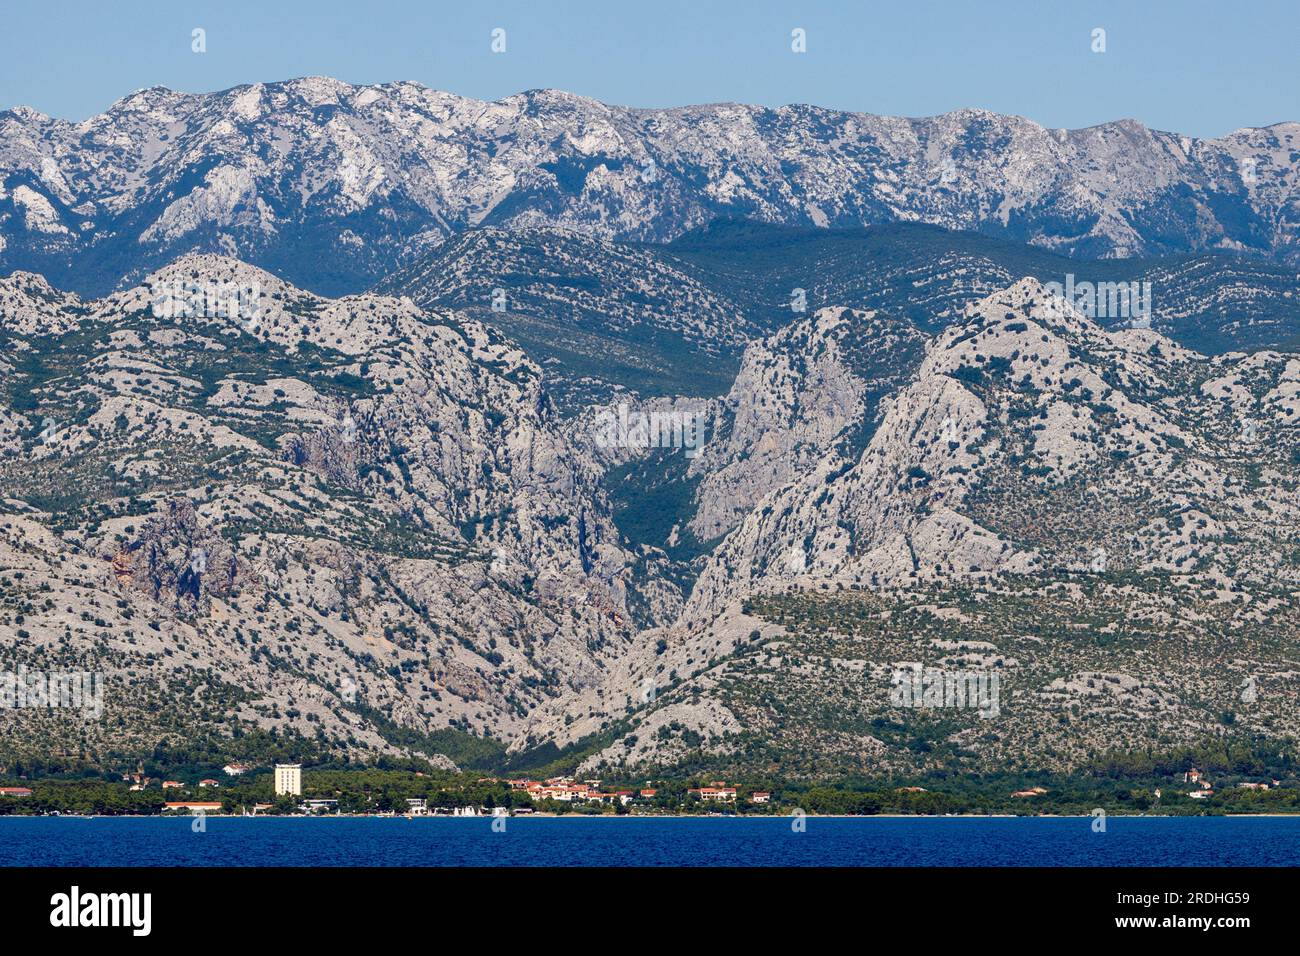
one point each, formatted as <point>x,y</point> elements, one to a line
<point>333,186</point>
<point>667,319</point>
<point>548,433</point>
<point>365,524</point>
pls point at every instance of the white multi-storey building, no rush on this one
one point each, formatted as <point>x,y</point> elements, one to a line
<point>288,779</point>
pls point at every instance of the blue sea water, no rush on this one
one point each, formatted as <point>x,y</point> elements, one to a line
<point>872,841</point>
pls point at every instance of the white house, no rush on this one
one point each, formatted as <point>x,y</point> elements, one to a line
<point>716,794</point>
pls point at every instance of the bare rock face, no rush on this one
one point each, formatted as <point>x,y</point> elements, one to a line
<point>814,386</point>
<point>1023,400</point>
<point>177,562</point>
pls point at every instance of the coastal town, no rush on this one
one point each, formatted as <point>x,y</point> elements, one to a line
<point>555,795</point>
<point>565,790</point>
<point>285,789</point>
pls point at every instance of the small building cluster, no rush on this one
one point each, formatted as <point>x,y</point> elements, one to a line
<point>568,790</point>
<point>1204,790</point>
<point>716,792</point>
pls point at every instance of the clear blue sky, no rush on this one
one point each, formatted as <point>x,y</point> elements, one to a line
<point>1203,68</point>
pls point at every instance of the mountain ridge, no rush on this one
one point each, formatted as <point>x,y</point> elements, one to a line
<point>671,319</point>
<point>547,92</point>
<point>333,185</point>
